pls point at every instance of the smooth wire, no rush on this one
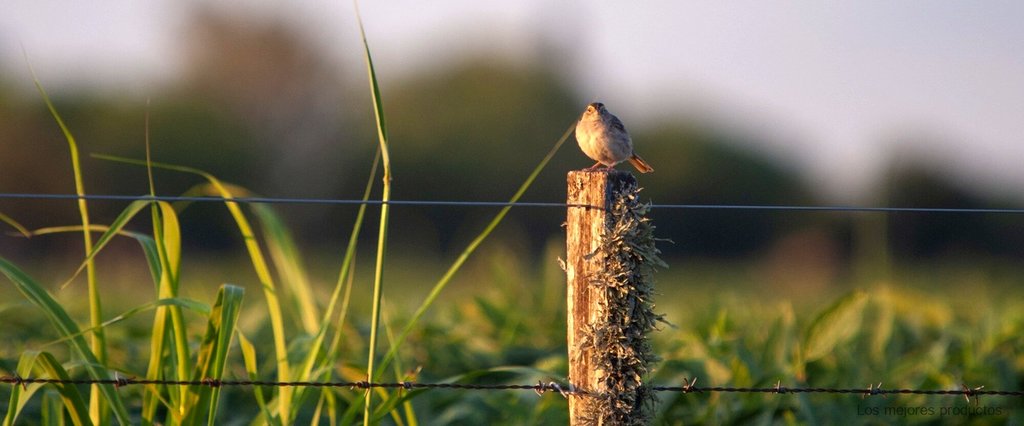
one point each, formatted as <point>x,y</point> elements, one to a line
<point>329,201</point>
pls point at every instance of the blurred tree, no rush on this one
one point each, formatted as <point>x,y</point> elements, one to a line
<point>28,135</point>
<point>278,84</point>
<point>955,235</point>
<point>256,106</point>
<point>474,131</point>
<point>701,164</point>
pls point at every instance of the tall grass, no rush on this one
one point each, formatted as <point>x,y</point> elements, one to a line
<point>385,208</point>
<point>184,404</point>
<point>97,409</point>
<point>68,329</point>
<point>216,187</point>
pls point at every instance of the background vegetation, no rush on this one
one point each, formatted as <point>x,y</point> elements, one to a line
<point>257,107</point>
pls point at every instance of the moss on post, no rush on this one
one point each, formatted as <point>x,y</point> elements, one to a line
<point>611,260</point>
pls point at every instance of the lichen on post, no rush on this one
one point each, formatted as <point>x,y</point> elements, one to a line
<point>611,260</point>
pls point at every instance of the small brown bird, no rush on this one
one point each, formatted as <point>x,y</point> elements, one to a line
<point>604,139</point>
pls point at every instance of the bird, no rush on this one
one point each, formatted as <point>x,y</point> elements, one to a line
<point>604,139</point>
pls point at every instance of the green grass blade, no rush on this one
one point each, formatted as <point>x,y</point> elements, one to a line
<point>270,295</point>
<point>288,263</point>
<point>834,325</point>
<point>168,235</point>
<point>151,397</point>
<point>69,228</point>
<point>342,291</point>
<point>164,256</point>
<point>318,412</point>
<point>115,227</point>
<point>410,414</point>
<point>378,276</point>
<point>167,232</point>
<point>164,259</point>
<point>52,412</point>
<point>217,187</point>
<point>66,327</point>
<point>155,258</point>
<point>466,253</point>
<point>378,105</point>
<point>343,286</point>
<point>14,224</point>
<point>192,305</point>
<point>98,344</point>
<point>20,395</point>
<point>152,258</point>
<point>251,368</point>
<point>213,353</point>
<point>74,403</point>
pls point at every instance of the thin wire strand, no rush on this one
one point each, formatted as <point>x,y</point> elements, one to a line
<point>330,201</point>
<point>539,387</point>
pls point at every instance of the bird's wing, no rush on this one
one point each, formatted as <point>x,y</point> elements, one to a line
<point>617,124</point>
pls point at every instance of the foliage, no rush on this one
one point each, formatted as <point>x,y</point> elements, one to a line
<point>512,331</point>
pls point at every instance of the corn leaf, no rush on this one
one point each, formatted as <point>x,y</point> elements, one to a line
<point>834,326</point>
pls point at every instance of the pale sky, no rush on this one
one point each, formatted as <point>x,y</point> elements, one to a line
<point>832,84</point>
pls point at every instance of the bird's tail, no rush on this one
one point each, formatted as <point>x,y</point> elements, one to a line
<point>640,164</point>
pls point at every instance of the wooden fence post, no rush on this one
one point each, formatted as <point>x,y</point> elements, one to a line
<point>590,266</point>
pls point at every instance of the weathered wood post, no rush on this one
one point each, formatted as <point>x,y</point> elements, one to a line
<point>610,255</point>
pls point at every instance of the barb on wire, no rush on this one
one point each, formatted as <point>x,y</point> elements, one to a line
<point>458,203</point>
<point>969,392</point>
<point>542,388</point>
<point>120,381</point>
<point>873,390</point>
<point>689,387</point>
<point>779,389</point>
<point>17,380</point>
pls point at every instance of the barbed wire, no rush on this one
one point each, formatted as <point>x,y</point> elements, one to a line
<point>458,203</point>
<point>540,387</point>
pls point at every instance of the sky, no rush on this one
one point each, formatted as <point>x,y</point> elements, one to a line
<point>835,88</point>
